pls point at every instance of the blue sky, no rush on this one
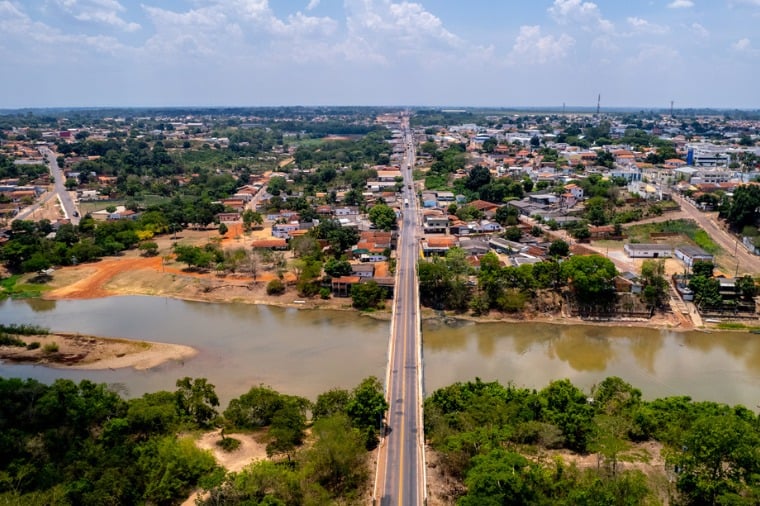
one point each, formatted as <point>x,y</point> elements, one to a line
<point>698,53</point>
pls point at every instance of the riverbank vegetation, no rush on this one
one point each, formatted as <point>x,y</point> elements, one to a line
<point>69,443</point>
<point>586,282</point>
<point>501,445</point>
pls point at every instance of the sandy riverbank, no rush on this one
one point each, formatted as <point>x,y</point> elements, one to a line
<point>75,351</point>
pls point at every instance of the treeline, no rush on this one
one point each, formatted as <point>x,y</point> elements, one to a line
<point>446,282</point>
<point>36,246</point>
<point>25,172</point>
<point>371,148</point>
<point>68,443</point>
<point>490,436</point>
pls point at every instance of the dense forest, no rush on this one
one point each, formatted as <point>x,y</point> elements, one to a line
<point>83,444</point>
<point>491,438</point>
<point>69,443</point>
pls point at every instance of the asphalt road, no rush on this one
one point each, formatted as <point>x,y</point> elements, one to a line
<point>401,469</point>
<point>59,186</point>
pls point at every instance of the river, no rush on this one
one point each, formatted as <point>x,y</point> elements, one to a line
<point>305,352</point>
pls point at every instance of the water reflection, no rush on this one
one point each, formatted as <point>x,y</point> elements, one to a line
<point>307,352</point>
<point>39,305</point>
<point>296,351</point>
<point>718,366</point>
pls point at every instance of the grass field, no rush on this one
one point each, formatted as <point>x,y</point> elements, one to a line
<point>687,228</point>
<point>89,206</point>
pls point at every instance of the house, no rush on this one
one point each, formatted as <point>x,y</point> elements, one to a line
<point>575,190</point>
<point>388,175</point>
<point>236,204</point>
<point>437,245</point>
<point>475,247</point>
<point>341,287</point>
<point>445,196</point>
<point>627,282</point>
<point>270,244</point>
<point>88,194</point>
<point>229,217</point>
<point>342,212</point>
<point>648,250</point>
<point>505,246</point>
<point>363,270</point>
<point>602,232</point>
<point>283,230</point>
<point>435,223</point>
<point>689,254</point>
<point>429,199</point>
<point>487,208</point>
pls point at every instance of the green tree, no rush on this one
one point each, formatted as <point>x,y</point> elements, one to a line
<point>513,234</point>
<point>287,429</point>
<point>251,218</point>
<point>718,461</point>
<point>197,400</point>
<point>382,217</point>
<point>367,407</point>
<point>559,248</point>
<point>590,278</point>
<point>275,287</point>
<point>337,460</point>
<point>655,284</point>
<point>367,295</point>
<point>222,229</point>
<point>744,207</point>
<point>149,248</point>
<point>330,403</point>
<point>336,268</point>
<point>500,477</point>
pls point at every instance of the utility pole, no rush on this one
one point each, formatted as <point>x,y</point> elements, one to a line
<point>671,109</point>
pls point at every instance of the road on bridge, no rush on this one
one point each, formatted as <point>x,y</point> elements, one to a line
<point>400,476</point>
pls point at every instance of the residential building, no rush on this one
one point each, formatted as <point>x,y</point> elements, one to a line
<point>648,250</point>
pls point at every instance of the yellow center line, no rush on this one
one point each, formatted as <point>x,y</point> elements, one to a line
<point>405,334</point>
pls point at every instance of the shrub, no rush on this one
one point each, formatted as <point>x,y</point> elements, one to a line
<point>275,287</point>
<point>50,348</point>
<point>325,293</point>
<point>33,345</point>
<point>7,340</point>
<point>228,444</point>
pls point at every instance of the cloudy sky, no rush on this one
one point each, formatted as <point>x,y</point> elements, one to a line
<point>643,53</point>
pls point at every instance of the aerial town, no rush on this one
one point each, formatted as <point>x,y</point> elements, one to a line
<point>603,245</point>
<point>641,191</point>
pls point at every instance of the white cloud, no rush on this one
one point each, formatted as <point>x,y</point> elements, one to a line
<point>383,30</point>
<point>653,56</point>
<point>642,25</point>
<point>240,29</point>
<point>313,4</point>
<point>700,30</point>
<point>532,47</point>
<point>743,44</point>
<point>106,12</point>
<point>586,14</point>
<point>680,4</point>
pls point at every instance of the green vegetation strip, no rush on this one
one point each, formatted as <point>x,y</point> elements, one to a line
<point>9,287</point>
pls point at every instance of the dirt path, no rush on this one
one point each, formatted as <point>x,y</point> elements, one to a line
<point>92,286</point>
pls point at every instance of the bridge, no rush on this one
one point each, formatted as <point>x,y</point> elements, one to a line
<point>400,477</point>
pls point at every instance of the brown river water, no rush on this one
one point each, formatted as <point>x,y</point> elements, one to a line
<point>305,352</point>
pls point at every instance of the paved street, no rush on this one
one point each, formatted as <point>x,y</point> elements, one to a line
<point>401,470</point>
<point>69,209</point>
